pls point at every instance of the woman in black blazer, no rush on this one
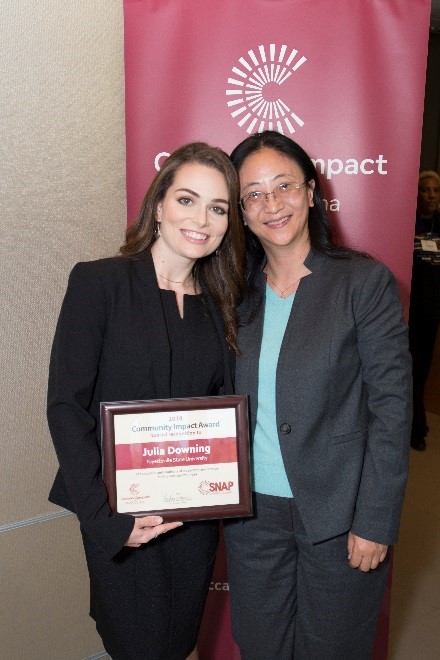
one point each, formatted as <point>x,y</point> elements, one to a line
<point>157,321</point>
<point>324,360</point>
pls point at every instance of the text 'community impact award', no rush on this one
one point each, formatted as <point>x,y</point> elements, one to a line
<point>184,459</point>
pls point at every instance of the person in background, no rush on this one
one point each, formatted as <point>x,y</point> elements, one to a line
<point>324,359</point>
<point>424,312</point>
<point>428,204</point>
<point>157,321</point>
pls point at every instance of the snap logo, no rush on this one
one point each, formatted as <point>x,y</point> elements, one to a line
<point>220,486</point>
<point>254,94</point>
<point>204,487</point>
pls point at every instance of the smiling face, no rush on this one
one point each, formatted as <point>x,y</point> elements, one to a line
<point>193,215</point>
<point>282,219</point>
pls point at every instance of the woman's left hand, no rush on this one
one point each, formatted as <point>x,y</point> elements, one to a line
<point>363,554</point>
<point>147,529</point>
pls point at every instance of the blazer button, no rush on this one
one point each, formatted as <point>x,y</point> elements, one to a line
<point>285,428</point>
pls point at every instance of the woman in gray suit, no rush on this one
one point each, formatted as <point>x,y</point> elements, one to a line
<point>158,321</point>
<point>324,359</point>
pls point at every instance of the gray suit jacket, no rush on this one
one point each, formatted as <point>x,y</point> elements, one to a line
<point>343,396</point>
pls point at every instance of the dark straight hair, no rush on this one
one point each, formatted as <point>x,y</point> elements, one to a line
<point>320,230</point>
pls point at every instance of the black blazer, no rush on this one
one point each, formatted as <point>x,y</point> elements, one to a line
<point>110,344</point>
<point>343,396</point>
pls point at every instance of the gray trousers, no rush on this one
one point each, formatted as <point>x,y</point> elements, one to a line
<point>294,600</point>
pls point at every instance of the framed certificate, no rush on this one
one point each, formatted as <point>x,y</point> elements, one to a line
<point>183,459</point>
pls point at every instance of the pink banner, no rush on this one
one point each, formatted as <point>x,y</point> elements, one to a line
<point>344,79</point>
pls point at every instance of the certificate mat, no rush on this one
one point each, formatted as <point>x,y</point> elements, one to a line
<point>183,459</point>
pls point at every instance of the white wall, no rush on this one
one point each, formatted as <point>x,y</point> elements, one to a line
<point>62,200</point>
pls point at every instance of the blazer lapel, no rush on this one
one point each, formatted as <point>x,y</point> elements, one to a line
<point>297,331</point>
<point>250,336</point>
<point>302,316</point>
<point>155,326</point>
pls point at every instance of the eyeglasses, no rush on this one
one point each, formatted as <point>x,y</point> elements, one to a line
<point>255,200</point>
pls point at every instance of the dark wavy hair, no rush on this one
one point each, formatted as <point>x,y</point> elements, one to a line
<point>320,231</point>
<point>220,273</point>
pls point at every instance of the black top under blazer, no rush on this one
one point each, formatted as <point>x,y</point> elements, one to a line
<point>343,397</point>
<point>110,344</point>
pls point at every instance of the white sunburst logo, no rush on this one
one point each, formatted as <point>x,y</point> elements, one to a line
<point>255,90</point>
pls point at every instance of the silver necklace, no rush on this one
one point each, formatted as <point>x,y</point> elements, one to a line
<point>282,291</point>
<point>188,279</point>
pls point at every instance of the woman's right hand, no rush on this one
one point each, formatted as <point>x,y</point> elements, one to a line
<point>148,528</point>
